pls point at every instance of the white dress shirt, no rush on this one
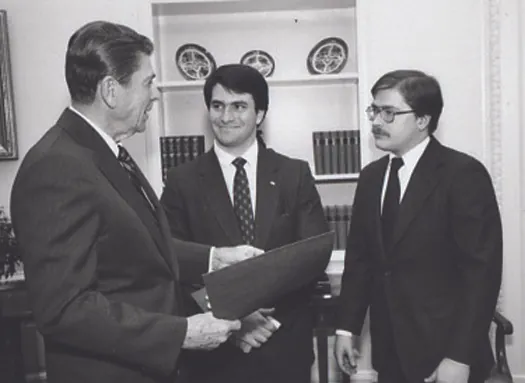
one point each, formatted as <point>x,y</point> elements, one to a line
<point>229,169</point>
<point>410,160</point>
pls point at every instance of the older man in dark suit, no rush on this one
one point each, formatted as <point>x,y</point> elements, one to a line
<point>101,268</point>
<point>424,251</point>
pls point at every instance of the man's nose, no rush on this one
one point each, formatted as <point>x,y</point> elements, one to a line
<point>227,114</point>
<point>155,93</point>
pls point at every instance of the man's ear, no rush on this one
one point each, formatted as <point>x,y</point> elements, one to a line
<point>260,117</point>
<point>422,122</point>
<point>108,90</point>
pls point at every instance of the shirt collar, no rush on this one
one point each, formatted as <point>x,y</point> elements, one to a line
<point>411,157</point>
<point>225,158</point>
<point>106,137</point>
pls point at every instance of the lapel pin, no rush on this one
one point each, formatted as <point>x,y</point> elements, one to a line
<point>272,183</point>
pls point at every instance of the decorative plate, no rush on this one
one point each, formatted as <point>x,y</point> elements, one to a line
<point>259,60</point>
<point>327,56</point>
<point>194,62</point>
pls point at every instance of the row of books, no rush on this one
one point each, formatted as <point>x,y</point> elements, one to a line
<point>337,152</point>
<point>176,150</point>
<point>338,218</point>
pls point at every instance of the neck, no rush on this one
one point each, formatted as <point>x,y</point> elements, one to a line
<point>411,145</point>
<point>238,151</point>
<point>98,117</point>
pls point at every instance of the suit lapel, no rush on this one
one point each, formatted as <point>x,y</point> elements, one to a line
<point>163,235</point>
<point>267,195</point>
<point>217,197</point>
<point>108,164</point>
<point>376,191</point>
<point>423,180</point>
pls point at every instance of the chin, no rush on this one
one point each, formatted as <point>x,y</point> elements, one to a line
<point>381,144</point>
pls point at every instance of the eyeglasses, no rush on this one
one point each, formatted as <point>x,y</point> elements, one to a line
<point>387,114</point>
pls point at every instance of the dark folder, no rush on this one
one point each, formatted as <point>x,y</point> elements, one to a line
<point>237,290</point>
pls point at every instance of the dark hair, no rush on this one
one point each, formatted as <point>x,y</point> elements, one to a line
<point>239,78</point>
<point>420,91</point>
<point>99,49</point>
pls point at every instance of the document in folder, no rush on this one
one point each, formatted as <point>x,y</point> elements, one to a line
<point>237,290</point>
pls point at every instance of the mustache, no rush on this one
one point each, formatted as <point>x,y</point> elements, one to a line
<point>378,131</point>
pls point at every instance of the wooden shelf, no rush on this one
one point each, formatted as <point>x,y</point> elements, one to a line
<point>327,79</point>
<point>335,178</point>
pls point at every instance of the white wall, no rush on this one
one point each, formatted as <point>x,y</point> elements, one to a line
<point>38,34</point>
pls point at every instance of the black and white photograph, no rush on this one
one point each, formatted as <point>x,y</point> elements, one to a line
<point>262,191</point>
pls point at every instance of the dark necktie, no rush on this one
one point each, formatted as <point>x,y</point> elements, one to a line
<point>133,172</point>
<point>242,203</point>
<point>391,202</point>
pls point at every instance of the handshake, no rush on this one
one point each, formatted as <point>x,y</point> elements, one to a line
<point>205,332</point>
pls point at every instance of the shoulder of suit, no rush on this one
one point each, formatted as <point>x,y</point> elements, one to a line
<point>455,158</point>
<point>54,143</point>
<point>282,158</point>
<point>189,168</point>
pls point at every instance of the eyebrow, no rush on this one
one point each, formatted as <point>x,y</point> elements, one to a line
<point>240,102</point>
<point>382,106</point>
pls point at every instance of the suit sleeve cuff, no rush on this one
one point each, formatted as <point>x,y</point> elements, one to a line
<point>210,258</point>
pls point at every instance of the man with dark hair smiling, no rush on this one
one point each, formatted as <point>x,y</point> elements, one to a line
<point>240,192</point>
<point>424,251</point>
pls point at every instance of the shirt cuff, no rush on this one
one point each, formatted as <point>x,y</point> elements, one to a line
<point>458,363</point>
<point>343,332</point>
<point>210,258</point>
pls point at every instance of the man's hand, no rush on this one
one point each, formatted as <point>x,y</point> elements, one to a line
<point>205,332</point>
<point>256,329</point>
<point>346,353</point>
<point>450,371</point>
<point>226,256</point>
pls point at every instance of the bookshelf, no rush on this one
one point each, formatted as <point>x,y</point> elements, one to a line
<point>301,103</point>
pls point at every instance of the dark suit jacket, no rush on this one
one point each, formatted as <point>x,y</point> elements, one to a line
<point>440,279</point>
<point>288,209</point>
<point>101,270</point>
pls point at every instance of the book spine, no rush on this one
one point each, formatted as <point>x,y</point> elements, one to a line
<point>326,145</point>
<point>330,219</point>
<point>341,226</point>
<point>194,147</point>
<point>334,152</point>
<point>341,157</point>
<point>318,154</point>
<point>164,156</point>
<point>349,153</point>
<point>358,150</point>
<point>186,149</point>
<point>354,151</point>
<point>177,152</point>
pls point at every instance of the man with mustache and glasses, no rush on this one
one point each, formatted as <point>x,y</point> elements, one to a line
<point>240,192</point>
<point>424,250</point>
<point>102,270</point>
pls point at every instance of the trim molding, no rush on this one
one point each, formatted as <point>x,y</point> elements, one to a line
<point>494,95</point>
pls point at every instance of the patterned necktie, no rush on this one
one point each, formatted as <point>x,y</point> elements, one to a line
<point>242,203</point>
<point>133,172</point>
<point>391,202</point>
